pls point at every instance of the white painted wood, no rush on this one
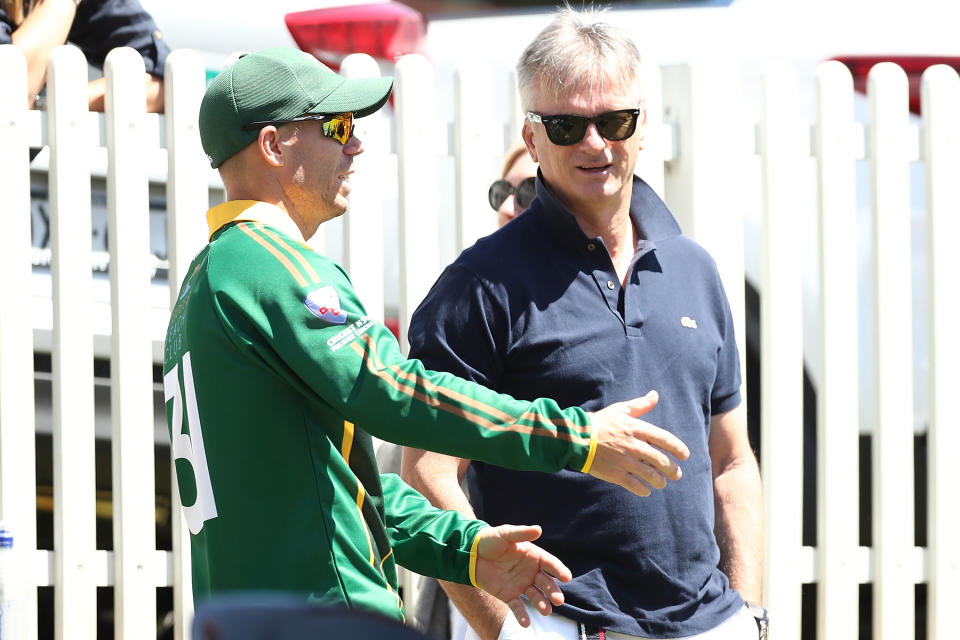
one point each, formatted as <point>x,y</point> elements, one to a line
<point>513,133</point>
<point>650,159</point>
<point>187,202</point>
<point>131,371</point>
<point>941,145</point>
<point>782,152</point>
<point>705,181</point>
<point>415,102</point>
<point>837,399</point>
<point>363,224</point>
<point>17,467</point>
<point>74,477</point>
<point>888,148</point>
<point>694,181</point>
<point>477,154</point>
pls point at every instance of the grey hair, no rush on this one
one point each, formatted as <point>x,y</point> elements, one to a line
<point>577,51</point>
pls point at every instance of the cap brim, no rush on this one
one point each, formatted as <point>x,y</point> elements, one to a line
<point>361,96</point>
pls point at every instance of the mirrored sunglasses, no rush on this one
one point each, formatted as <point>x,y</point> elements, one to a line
<point>564,130</point>
<point>339,127</point>
<point>500,190</point>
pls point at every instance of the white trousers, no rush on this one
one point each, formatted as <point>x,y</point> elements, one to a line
<point>740,626</point>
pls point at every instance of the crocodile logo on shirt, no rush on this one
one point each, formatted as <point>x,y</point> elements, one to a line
<point>688,322</point>
<point>325,304</point>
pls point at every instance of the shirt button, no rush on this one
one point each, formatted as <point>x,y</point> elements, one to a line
<point>610,285</point>
<point>591,246</point>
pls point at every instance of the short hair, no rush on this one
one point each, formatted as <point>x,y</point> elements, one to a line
<point>578,50</point>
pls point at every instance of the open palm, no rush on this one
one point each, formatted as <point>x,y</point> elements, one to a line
<point>510,566</point>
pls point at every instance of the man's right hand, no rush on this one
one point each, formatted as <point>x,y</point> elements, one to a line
<point>633,453</point>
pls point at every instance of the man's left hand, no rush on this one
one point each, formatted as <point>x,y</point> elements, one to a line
<point>509,566</point>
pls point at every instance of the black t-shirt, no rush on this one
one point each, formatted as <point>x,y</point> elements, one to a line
<point>102,25</point>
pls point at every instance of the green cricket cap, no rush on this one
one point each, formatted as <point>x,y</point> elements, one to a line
<point>278,84</point>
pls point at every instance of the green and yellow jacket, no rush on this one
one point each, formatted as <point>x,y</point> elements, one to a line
<point>275,379</point>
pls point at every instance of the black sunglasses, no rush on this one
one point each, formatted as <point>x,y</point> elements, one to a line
<point>564,130</point>
<point>501,190</point>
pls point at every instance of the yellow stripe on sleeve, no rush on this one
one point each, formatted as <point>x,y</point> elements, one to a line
<point>473,558</point>
<point>409,383</point>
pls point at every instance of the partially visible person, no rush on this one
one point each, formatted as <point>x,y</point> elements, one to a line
<point>595,294</point>
<point>509,196</point>
<point>512,193</point>
<point>96,27</point>
<point>271,351</point>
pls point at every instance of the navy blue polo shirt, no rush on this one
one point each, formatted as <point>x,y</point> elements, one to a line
<point>102,25</point>
<point>537,310</point>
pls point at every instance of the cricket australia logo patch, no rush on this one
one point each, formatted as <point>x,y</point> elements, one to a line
<point>325,304</point>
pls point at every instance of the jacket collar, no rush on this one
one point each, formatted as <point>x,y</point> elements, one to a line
<point>252,211</point>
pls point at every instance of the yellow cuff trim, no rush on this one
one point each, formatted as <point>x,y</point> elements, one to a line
<point>593,449</point>
<point>473,558</point>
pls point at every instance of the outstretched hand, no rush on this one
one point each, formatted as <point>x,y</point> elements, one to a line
<point>510,566</point>
<point>630,450</point>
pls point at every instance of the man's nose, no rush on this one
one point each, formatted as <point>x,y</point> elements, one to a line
<point>592,137</point>
<point>354,146</point>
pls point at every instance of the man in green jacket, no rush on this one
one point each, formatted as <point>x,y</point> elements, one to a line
<point>274,376</point>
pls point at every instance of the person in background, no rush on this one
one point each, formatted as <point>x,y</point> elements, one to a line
<point>594,294</point>
<point>96,27</point>
<point>511,194</point>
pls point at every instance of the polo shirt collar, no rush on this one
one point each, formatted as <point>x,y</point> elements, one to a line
<point>251,211</point>
<point>648,211</point>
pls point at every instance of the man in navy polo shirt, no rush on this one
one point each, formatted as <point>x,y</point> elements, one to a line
<point>593,295</point>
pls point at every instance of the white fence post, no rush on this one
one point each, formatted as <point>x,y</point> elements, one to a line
<point>838,394</point>
<point>416,133</point>
<point>515,114</point>
<point>187,201</point>
<point>363,224</point>
<point>17,453</point>
<point>703,183</point>
<point>941,146</point>
<point>652,154</point>
<point>782,153</point>
<point>476,150</point>
<point>74,476</point>
<point>893,597</point>
<point>131,373</point>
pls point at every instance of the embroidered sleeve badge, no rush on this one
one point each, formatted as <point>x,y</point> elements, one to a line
<point>325,304</point>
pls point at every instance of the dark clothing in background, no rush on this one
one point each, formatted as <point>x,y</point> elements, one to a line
<point>102,25</point>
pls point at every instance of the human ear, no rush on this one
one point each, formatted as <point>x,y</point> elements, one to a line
<point>527,134</point>
<point>268,144</point>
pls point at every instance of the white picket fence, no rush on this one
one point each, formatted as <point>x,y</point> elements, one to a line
<point>704,161</point>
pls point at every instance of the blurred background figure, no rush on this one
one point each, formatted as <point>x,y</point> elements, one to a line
<point>511,195</point>
<point>96,27</point>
